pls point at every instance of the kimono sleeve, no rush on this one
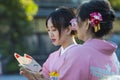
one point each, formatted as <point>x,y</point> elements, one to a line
<point>45,68</point>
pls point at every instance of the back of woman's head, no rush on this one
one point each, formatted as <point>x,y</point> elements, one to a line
<point>61,18</point>
<point>98,6</point>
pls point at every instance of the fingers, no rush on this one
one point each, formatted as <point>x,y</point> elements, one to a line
<point>23,71</point>
<point>27,74</point>
<point>38,76</point>
<point>30,75</point>
<point>19,65</point>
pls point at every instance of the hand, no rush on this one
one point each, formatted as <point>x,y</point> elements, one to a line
<point>27,74</point>
<point>32,76</point>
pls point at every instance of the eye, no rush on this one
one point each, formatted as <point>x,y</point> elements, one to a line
<point>54,29</point>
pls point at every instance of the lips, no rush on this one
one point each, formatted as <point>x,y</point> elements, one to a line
<point>53,40</point>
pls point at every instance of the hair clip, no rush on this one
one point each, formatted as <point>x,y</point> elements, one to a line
<point>73,23</point>
<point>95,19</point>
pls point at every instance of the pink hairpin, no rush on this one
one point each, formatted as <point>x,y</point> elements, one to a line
<point>95,19</point>
<point>73,23</point>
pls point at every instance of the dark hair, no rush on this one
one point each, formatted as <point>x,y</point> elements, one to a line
<point>61,18</point>
<point>104,8</point>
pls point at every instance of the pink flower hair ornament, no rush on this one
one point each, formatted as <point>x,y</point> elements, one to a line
<point>73,23</point>
<point>95,19</point>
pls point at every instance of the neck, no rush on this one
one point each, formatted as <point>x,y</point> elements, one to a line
<point>87,37</point>
<point>67,43</point>
<point>90,37</point>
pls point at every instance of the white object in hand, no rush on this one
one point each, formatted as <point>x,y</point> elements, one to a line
<point>28,62</point>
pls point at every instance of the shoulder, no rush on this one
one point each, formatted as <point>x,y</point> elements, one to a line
<point>79,49</point>
<point>55,53</point>
<point>51,57</point>
<point>77,56</point>
<point>74,48</point>
<point>79,52</point>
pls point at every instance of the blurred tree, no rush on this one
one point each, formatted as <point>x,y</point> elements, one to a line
<point>15,24</point>
<point>115,4</point>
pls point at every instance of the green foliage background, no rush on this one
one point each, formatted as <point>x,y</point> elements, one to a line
<point>15,23</point>
<point>115,4</point>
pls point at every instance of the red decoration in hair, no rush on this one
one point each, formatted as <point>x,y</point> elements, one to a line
<point>95,19</point>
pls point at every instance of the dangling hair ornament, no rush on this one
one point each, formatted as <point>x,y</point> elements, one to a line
<point>73,23</point>
<point>95,19</point>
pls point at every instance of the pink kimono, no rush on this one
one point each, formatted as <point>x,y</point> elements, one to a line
<point>91,61</point>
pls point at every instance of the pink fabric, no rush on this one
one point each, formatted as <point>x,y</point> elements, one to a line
<point>91,61</point>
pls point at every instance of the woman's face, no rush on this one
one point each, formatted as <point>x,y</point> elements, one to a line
<point>54,34</point>
<point>81,29</point>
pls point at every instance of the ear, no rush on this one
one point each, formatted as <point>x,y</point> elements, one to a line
<point>87,22</point>
<point>68,30</point>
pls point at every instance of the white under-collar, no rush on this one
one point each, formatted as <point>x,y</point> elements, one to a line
<point>64,50</point>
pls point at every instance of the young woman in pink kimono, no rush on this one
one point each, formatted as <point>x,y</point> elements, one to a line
<point>97,56</point>
<point>61,64</point>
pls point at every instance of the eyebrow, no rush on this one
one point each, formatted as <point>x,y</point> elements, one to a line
<point>52,27</point>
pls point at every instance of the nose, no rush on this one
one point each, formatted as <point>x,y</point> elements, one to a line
<point>51,34</point>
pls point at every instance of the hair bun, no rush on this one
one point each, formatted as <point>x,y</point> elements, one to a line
<point>111,15</point>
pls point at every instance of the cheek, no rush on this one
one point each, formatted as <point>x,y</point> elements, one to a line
<point>62,38</point>
<point>56,35</point>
